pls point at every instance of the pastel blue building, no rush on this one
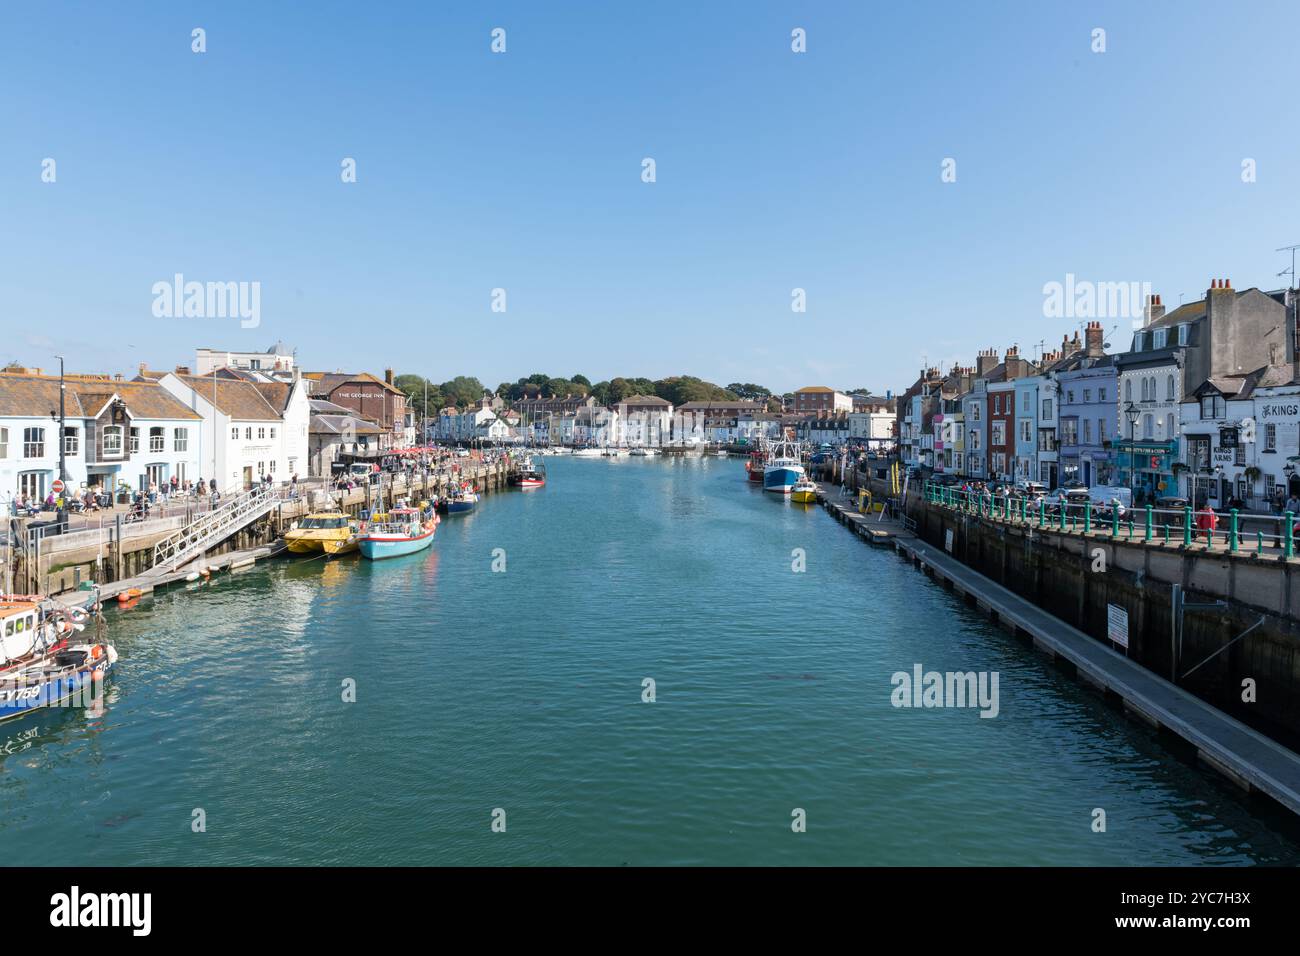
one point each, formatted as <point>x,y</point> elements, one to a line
<point>1089,420</point>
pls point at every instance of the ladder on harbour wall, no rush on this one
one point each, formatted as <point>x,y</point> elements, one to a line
<point>211,528</point>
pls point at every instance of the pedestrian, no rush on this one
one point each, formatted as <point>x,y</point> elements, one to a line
<point>1293,504</point>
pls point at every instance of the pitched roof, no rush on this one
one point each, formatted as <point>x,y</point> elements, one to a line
<point>38,396</point>
<point>343,424</point>
<point>329,381</point>
<point>644,400</point>
<point>238,399</point>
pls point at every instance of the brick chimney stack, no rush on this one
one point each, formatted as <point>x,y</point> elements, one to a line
<point>986,361</point>
<point>1094,340</point>
<point>1220,306</point>
<point>1154,310</point>
<point>1016,367</point>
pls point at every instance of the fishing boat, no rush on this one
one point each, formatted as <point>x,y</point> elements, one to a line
<point>757,458</point>
<point>529,475</point>
<point>783,468</point>
<point>325,532</point>
<point>642,452</point>
<point>804,491</point>
<point>39,666</point>
<point>401,531</point>
<point>462,499</point>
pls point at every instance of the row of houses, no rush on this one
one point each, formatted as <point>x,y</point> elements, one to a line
<point>236,423</point>
<point>650,421</point>
<point>1204,404</point>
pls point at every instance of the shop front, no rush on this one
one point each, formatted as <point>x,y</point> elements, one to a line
<point>1147,467</point>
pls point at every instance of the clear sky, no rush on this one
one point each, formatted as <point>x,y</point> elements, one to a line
<point>522,171</point>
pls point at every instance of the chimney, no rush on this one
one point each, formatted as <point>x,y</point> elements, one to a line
<point>144,367</point>
<point>986,361</point>
<point>182,370</point>
<point>1095,340</point>
<point>1220,306</point>
<point>1014,363</point>
<point>1154,310</point>
<point>388,376</point>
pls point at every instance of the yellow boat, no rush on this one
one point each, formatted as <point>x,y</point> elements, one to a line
<point>326,532</point>
<point>804,491</point>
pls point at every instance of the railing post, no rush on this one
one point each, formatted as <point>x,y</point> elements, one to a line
<point>1187,527</point>
<point>1087,516</point>
<point>1148,529</point>
<point>1232,533</point>
<point>1114,522</point>
<point>1289,535</point>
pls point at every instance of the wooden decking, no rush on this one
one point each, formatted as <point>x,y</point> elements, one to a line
<point>1245,756</point>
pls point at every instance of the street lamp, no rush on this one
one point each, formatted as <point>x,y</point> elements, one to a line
<point>1132,412</point>
<point>62,516</point>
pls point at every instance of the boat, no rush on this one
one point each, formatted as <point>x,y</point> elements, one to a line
<point>804,491</point>
<point>588,453</point>
<point>754,466</point>
<point>642,452</point>
<point>39,667</point>
<point>461,500</point>
<point>528,476</point>
<point>400,531</point>
<point>325,532</point>
<point>721,453</point>
<point>783,468</point>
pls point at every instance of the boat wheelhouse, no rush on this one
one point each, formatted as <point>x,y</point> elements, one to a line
<point>325,532</point>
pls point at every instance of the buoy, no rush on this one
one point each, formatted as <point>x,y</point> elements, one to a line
<point>192,576</point>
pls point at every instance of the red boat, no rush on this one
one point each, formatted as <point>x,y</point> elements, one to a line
<point>755,466</point>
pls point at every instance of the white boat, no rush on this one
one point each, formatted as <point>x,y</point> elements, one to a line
<point>642,452</point>
<point>588,453</point>
<point>783,469</point>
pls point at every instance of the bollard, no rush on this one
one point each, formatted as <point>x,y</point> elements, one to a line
<point>1187,527</point>
<point>1232,532</point>
<point>1259,542</point>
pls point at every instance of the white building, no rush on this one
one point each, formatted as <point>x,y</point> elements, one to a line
<point>275,362</point>
<point>259,428</point>
<point>644,420</point>
<point>117,434</point>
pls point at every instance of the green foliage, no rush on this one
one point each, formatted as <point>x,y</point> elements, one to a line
<point>413,387</point>
<point>461,391</point>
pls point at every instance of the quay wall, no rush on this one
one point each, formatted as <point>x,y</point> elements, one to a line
<point>64,563</point>
<point>1075,577</point>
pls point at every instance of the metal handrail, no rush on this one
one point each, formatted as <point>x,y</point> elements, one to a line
<point>1151,525</point>
<point>212,526</point>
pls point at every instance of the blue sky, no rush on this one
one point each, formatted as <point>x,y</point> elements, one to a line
<point>522,171</point>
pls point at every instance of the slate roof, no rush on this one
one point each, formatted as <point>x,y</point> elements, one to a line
<point>38,396</point>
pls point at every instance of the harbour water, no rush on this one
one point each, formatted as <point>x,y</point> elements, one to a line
<point>522,689</point>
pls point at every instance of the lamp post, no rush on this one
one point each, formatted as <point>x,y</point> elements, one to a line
<point>62,517</point>
<point>1132,412</point>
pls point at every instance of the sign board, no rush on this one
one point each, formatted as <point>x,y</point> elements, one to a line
<point>947,540</point>
<point>57,487</point>
<point>1117,625</point>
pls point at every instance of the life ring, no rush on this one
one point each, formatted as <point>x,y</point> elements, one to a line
<point>96,652</point>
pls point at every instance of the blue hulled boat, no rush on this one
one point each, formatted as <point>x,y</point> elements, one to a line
<point>783,469</point>
<point>402,531</point>
<point>39,667</point>
<point>462,499</point>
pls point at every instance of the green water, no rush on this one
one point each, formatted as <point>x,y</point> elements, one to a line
<point>522,690</point>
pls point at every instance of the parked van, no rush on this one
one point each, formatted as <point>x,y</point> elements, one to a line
<point>1105,494</point>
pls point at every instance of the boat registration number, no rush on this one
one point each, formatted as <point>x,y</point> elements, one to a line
<point>22,693</point>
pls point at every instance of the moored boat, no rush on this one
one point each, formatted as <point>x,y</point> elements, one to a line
<point>401,531</point>
<point>325,532</point>
<point>529,475</point>
<point>755,465</point>
<point>804,491</point>
<point>783,468</point>
<point>461,500</point>
<point>39,667</point>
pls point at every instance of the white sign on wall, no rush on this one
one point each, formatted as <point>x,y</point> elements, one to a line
<point>1117,625</point>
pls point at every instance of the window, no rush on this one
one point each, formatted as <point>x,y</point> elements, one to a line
<point>181,439</point>
<point>4,443</point>
<point>1169,426</point>
<point>113,441</point>
<point>1148,426</point>
<point>32,484</point>
<point>999,433</point>
<point>1137,342</point>
<point>1069,396</point>
<point>156,440</point>
<point>135,440</point>
<point>1159,337</point>
<point>1213,406</point>
<point>974,413</point>
<point>1026,430</point>
<point>1101,395</point>
<point>1047,408</point>
<point>1146,391</point>
<point>1128,390</point>
<point>1087,395</point>
<point>273,434</point>
<point>1169,388</point>
<point>33,442</point>
<point>261,434</point>
<point>248,433</point>
<point>1182,335</point>
<point>974,439</point>
<point>1069,431</point>
<point>270,467</point>
<point>71,442</point>
<point>1087,431</point>
<point>1101,430</point>
<point>1270,438</point>
<point>234,434</point>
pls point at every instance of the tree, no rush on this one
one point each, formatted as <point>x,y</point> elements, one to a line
<point>462,390</point>
<point>413,387</point>
<point>749,391</point>
<point>580,380</point>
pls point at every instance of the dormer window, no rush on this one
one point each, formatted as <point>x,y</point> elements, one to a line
<point>1159,338</point>
<point>1182,335</point>
<point>1137,342</point>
